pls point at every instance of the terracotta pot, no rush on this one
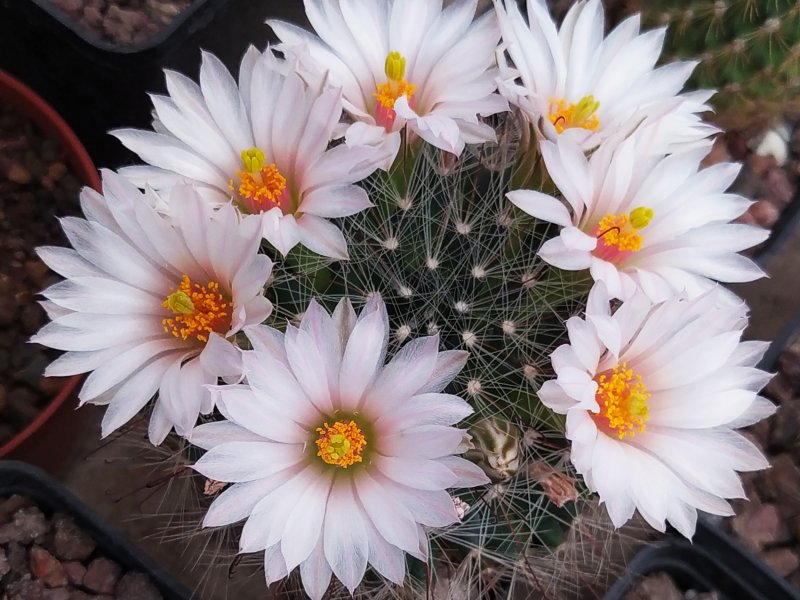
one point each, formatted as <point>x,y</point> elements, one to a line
<point>46,441</point>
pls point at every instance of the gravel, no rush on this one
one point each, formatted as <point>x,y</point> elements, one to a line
<point>660,586</point>
<point>123,22</point>
<point>35,186</point>
<point>767,179</point>
<point>769,521</point>
<point>33,567</point>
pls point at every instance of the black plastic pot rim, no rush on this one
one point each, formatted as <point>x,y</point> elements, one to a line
<point>88,36</point>
<point>29,481</point>
<point>712,561</point>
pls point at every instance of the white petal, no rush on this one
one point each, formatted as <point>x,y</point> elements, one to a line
<point>316,573</point>
<point>448,365</point>
<point>160,424</point>
<point>308,365</point>
<point>247,461</point>
<point>132,395</point>
<point>280,230</point>
<point>541,206</point>
<point>322,236</point>
<point>555,252</point>
<point>221,358</point>
<point>407,372</point>
<point>385,558</point>
<point>363,356</point>
<point>249,409</point>
<point>333,202</point>
<point>345,536</point>
<point>416,473</point>
<point>274,565</point>
<point>423,409</point>
<point>469,474</point>
<point>427,441</point>
<point>210,435</point>
<point>225,103</point>
<point>237,502</point>
<point>387,514</point>
<point>304,524</point>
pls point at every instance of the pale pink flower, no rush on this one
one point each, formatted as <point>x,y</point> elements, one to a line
<point>149,305</point>
<point>337,459</point>
<point>652,396</point>
<point>261,143</point>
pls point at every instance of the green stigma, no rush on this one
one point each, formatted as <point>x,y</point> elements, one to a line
<point>180,303</point>
<point>585,108</point>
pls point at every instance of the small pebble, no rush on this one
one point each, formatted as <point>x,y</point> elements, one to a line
<point>123,22</point>
<point>75,572</point>
<point>38,571</point>
<point>47,568</point>
<point>27,525</point>
<point>136,586</point>
<point>70,542</point>
<point>4,566</point>
<point>102,576</point>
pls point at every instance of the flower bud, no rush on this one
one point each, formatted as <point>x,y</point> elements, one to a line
<point>496,448</point>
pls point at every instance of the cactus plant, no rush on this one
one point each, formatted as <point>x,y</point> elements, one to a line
<point>448,254</point>
<point>462,245</point>
<point>748,50</point>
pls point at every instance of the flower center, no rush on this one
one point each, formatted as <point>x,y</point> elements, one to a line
<point>261,186</point>
<point>621,232</point>
<point>395,87</point>
<point>340,444</point>
<point>622,397</point>
<point>198,310</point>
<point>565,115</point>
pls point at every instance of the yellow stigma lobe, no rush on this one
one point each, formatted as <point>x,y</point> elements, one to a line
<point>622,231</point>
<point>396,87</point>
<point>253,160</point>
<point>641,217</point>
<point>565,115</point>
<point>395,66</point>
<point>340,444</point>
<point>198,310</point>
<point>622,396</point>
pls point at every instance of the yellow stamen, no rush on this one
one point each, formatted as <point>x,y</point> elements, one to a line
<point>622,230</point>
<point>261,186</point>
<point>340,444</point>
<point>198,309</point>
<point>565,115</point>
<point>622,397</point>
<point>396,87</point>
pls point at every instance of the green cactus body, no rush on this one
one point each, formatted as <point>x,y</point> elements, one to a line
<point>450,255</point>
<point>748,50</point>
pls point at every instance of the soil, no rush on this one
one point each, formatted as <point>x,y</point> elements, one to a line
<point>123,22</point>
<point>660,586</point>
<point>50,558</point>
<point>35,185</point>
<point>768,522</point>
<point>770,180</point>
